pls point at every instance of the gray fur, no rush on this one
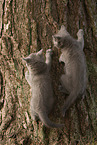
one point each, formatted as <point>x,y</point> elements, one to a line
<point>39,79</point>
<point>74,80</point>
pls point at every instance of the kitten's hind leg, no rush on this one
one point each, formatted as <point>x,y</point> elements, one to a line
<point>69,101</point>
<point>34,115</point>
<point>48,58</point>
<point>66,105</point>
<point>80,35</point>
<point>65,84</point>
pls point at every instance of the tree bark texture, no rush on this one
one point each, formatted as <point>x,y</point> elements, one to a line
<point>26,27</point>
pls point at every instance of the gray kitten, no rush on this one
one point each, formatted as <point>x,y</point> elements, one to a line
<point>74,80</point>
<point>38,77</point>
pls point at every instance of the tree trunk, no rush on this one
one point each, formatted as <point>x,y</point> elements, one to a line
<point>27,26</point>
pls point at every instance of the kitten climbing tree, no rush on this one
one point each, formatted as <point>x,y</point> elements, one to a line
<point>28,26</point>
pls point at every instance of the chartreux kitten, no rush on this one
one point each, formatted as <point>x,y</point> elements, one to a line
<point>74,79</point>
<point>38,77</point>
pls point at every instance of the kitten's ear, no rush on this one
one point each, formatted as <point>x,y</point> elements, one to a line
<point>27,59</point>
<point>40,52</point>
<point>63,27</point>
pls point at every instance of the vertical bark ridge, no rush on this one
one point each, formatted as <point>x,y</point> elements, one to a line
<point>28,26</point>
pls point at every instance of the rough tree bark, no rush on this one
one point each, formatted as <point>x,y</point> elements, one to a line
<point>27,26</point>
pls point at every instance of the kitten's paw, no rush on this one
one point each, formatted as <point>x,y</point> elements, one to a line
<point>80,32</point>
<point>60,88</point>
<point>49,51</point>
<point>63,27</point>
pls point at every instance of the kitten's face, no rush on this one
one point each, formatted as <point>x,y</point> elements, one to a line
<point>59,37</point>
<point>58,41</point>
<point>34,58</point>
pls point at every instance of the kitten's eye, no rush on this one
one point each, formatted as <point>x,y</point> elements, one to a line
<point>62,63</point>
<point>57,39</point>
<point>40,55</point>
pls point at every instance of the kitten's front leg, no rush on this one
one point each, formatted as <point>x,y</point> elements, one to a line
<point>27,76</point>
<point>80,35</point>
<point>48,58</point>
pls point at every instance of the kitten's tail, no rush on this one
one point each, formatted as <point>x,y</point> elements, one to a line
<point>70,100</point>
<point>44,118</point>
